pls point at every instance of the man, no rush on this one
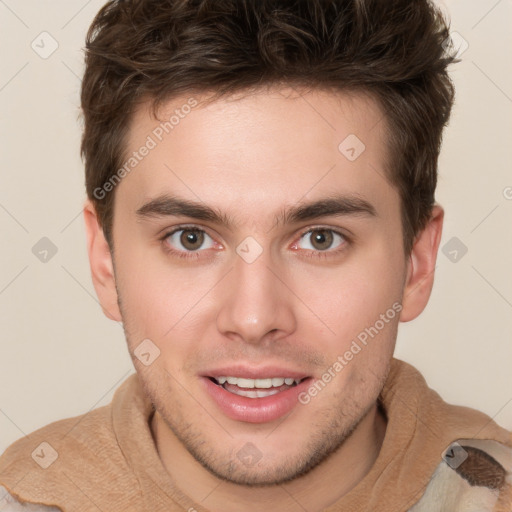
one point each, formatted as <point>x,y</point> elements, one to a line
<point>261,216</point>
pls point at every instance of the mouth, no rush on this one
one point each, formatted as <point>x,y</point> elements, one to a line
<point>255,397</point>
<point>256,388</point>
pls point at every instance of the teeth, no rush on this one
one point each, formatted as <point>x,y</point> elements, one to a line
<point>257,383</point>
<point>253,393</point>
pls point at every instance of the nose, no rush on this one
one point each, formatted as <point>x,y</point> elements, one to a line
<point>256,304</point>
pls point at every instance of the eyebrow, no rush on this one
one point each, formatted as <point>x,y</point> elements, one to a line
<point>339,205</point>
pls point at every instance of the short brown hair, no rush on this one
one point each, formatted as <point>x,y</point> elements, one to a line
<point>159,49</point>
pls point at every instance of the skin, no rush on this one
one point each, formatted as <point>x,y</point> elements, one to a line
<point>250,157</point>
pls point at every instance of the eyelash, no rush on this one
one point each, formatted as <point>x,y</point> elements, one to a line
<point>312,254</point>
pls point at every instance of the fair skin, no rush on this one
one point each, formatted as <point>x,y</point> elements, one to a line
<point>291,312</point>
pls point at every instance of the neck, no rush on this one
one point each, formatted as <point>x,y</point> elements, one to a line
<point>322,486</point>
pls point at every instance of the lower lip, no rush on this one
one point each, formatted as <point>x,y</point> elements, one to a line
<point>255,410</point>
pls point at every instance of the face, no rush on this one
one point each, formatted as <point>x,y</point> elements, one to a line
<point>255,253</point>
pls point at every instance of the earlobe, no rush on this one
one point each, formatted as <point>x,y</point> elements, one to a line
<point>100,261</point>
<point>421,266</point>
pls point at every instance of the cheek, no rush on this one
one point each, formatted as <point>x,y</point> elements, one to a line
<point>352,298</point>
<point>159,299</point>
<point>361,308</point>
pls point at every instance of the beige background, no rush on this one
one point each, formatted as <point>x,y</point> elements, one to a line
<point>60,356</point>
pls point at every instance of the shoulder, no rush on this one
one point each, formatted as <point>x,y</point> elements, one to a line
<point>89,432</point>
<point>10,504</point>
<point>471,472</point>
<point>84,446</point>
<point>42,445</point>
<point>34,468</point>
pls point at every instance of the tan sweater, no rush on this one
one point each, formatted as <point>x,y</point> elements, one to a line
<point>106,459</point>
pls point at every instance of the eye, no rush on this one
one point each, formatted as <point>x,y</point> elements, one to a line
<point>188,239</point>
<point>321,239</point>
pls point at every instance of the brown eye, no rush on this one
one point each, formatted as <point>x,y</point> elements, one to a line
<point>189,239</point>
<point>322,239</point>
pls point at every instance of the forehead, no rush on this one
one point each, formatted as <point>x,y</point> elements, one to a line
<point>259,149</point>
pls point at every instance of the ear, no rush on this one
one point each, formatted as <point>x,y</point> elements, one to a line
<point>100,260</point>
<point>421,266</point>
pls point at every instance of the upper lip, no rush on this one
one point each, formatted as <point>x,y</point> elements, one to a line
<point>248,372</point>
